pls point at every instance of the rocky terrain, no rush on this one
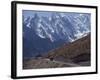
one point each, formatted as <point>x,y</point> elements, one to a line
<point>74,54</point>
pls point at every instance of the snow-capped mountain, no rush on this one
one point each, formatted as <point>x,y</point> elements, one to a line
<point>55,29</point>
<point>59,26</point>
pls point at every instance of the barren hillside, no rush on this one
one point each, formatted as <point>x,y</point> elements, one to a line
<point>73,54</point>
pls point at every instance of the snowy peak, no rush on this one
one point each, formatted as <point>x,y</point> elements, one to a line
<point>59,26</point>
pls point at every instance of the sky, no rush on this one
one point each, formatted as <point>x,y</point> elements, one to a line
<point>27,13</point>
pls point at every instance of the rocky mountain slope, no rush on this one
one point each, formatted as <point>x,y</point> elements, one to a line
<point>74,54</point>
<point>77,51</point>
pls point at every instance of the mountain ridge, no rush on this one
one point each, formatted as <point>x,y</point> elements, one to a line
<point>42,34</point>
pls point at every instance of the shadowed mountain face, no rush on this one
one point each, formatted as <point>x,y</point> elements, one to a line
<point>77,51</point>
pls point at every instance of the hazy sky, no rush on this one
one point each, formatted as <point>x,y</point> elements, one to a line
<point>27,13</point>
